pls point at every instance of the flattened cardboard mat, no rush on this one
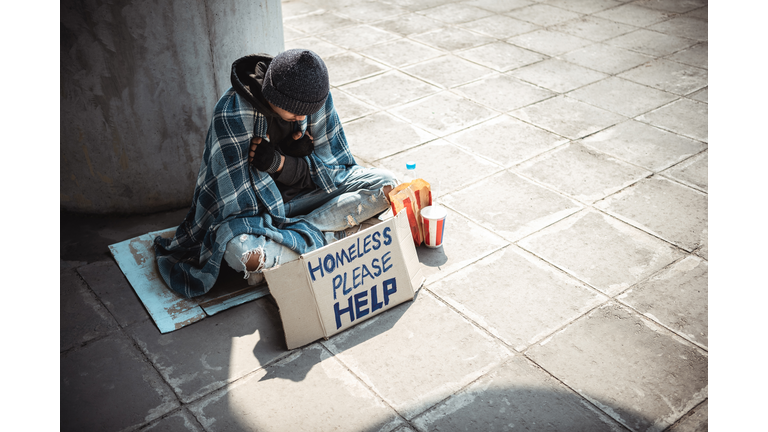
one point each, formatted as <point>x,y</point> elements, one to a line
<point>170,311</point>
<point>320,294</point>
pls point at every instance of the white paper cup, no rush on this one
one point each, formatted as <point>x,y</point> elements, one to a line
<point>433,218</point>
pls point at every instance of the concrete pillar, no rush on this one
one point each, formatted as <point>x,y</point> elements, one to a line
<point>139,80</point>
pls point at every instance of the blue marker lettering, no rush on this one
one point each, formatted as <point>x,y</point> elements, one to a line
<point>313,270</point>
<point>341,312</point>
<point>384,260</point>
<point>337,280</point>
<point>329,264</point>
<point>375,304</point>
<point>365,271</point>
<point>361,301</point>
<point>355,277</point>
<point>387,237</point>
<point>390,287</point>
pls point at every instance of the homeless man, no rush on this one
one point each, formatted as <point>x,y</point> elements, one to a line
<point>277,177</point>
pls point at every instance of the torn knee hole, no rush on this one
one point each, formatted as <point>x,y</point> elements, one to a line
<point>253,260</point>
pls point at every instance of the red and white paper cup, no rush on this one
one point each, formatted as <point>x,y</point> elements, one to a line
<point>433,218</point>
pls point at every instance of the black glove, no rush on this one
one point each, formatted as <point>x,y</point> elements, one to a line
<point>297,148</point>
<point>265,158</point>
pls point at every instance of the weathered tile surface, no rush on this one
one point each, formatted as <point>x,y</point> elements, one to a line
<point>389,89</point>
<point>464,242</point>
<point>549,42</point>
<point>307,390</point>
<point>700,13</point>
<point>686,27</point>
<point>683,116</point>
<point>82,316</point>
<point>693,172</point>
<point>668,76</point>
<point>696,55</point>
<point>181,421</point>
<point>567,117</point>
<point>638,373</point>
<point>543,15</point>
<point>604,252</point>
<point>581,172</point>
<point>517,396</point>
<point>203,357</point>
<point>400,52</point>
<point>516,297</point>
<point>455,13</point>
<point>500,6</point>
<point>107,385</point>
<point>632,14</point>
<point>606,58</point>
<point>696,421</point>
<point>644,145</point>
<point>674,6</point>
<point>511,215</point>
<point>448,71</point>
<point>501,56</point>
<point>502,92</point>
<point>701,95</point>
<point>422,356</point>
<point>348,66</point>
<point>371,137</point>
<point>358,36</point>
<point>442,162</point>
<point>452,38</point>
<point>676,297</point>
<point>409,24</point>
<point>443,113</point>
<point>113,290</point>
<point>315,24</point>
<point>593,28</point>
<point>623,97</point>
<point>650,42</point>
<point>584,6</point>
<point>292,9</point>
<point>349,108</point>
<point>319,46</point>
<point>370,11</point>
<point>506,140</point>
<point>665,208</point>
<point>557,75</point>
<point>499,26</point>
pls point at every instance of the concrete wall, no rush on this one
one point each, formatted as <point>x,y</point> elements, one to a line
<point>139,80</point>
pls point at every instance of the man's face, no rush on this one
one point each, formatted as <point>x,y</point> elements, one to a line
<point>285,115</point>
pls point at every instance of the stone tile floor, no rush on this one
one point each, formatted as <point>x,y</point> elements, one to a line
<point>569,139</point>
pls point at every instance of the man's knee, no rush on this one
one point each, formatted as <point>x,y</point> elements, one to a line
<point>254,261</point>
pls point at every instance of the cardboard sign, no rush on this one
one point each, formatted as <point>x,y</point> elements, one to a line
<point>335,287</point>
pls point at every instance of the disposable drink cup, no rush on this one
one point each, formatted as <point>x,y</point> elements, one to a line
<point>433,218</point>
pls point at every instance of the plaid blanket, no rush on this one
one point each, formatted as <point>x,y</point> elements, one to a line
<point>231,198</point>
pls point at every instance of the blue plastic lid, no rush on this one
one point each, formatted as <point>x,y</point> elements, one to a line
<point>410,165</point>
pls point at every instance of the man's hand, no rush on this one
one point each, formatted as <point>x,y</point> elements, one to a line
<point>263,156</point>
<point>298,146</point>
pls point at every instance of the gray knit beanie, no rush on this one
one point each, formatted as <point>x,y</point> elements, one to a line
<point>296,81</point>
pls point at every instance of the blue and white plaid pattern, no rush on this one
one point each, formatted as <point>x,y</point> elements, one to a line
<point>231,198</point>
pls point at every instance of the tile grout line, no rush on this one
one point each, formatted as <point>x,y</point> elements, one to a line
<point>349,369</point>
<point>141,354</point>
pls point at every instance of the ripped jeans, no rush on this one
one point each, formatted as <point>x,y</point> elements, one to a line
<point>360,197</point>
